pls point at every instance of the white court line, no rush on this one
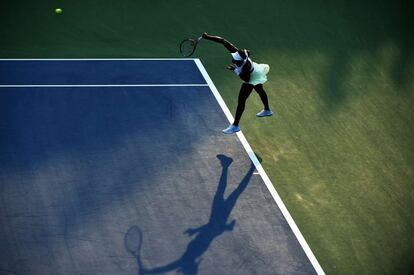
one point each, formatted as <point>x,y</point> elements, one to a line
<point>100,85</point>
<point>94,59</point>
<point>263,174</point>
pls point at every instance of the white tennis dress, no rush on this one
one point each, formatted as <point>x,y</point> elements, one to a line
<point>259,72</point>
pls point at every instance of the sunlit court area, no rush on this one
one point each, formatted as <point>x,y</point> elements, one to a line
<point>114,155</point>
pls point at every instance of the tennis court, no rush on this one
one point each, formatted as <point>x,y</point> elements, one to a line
<point>120,167</point>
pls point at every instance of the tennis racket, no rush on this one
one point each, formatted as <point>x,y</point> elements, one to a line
<point>188,46</point>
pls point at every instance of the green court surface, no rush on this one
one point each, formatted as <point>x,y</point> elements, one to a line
<point>339,149</point>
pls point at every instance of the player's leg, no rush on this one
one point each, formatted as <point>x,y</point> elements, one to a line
<point>263,96</point>
<point>244,93</point>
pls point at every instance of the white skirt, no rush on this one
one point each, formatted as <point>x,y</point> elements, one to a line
<point>259,74</point>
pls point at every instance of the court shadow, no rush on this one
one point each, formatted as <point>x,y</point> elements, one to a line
<point>204,235</point>
<point>333,93</point>
<point>259,158</point>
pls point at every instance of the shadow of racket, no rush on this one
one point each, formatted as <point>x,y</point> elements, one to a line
<point>133,243</point>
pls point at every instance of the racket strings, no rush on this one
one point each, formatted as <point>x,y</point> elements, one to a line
<point>187,47</point>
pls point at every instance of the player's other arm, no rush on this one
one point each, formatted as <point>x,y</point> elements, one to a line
<point>229,46</point>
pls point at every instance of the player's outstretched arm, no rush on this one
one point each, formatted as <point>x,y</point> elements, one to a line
<point>229,46</point>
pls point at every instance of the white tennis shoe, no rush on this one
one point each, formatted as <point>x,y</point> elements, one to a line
<point>264,113</point>
<point>231,129</point>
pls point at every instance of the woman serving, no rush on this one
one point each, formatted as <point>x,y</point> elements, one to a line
<point>253,75</point>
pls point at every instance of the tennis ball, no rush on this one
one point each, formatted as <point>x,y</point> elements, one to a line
<point>58,11</point>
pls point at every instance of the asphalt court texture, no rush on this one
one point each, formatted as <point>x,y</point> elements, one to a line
<point>134,179</point>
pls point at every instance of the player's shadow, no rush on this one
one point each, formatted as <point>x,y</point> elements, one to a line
<point>204,235</point>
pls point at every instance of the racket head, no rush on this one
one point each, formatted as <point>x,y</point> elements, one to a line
<point>188,46</point>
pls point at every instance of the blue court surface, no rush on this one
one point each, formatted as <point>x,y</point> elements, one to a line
<point>120,167</point>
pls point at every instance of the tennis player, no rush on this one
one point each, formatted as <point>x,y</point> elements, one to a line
<point>253,76</point>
